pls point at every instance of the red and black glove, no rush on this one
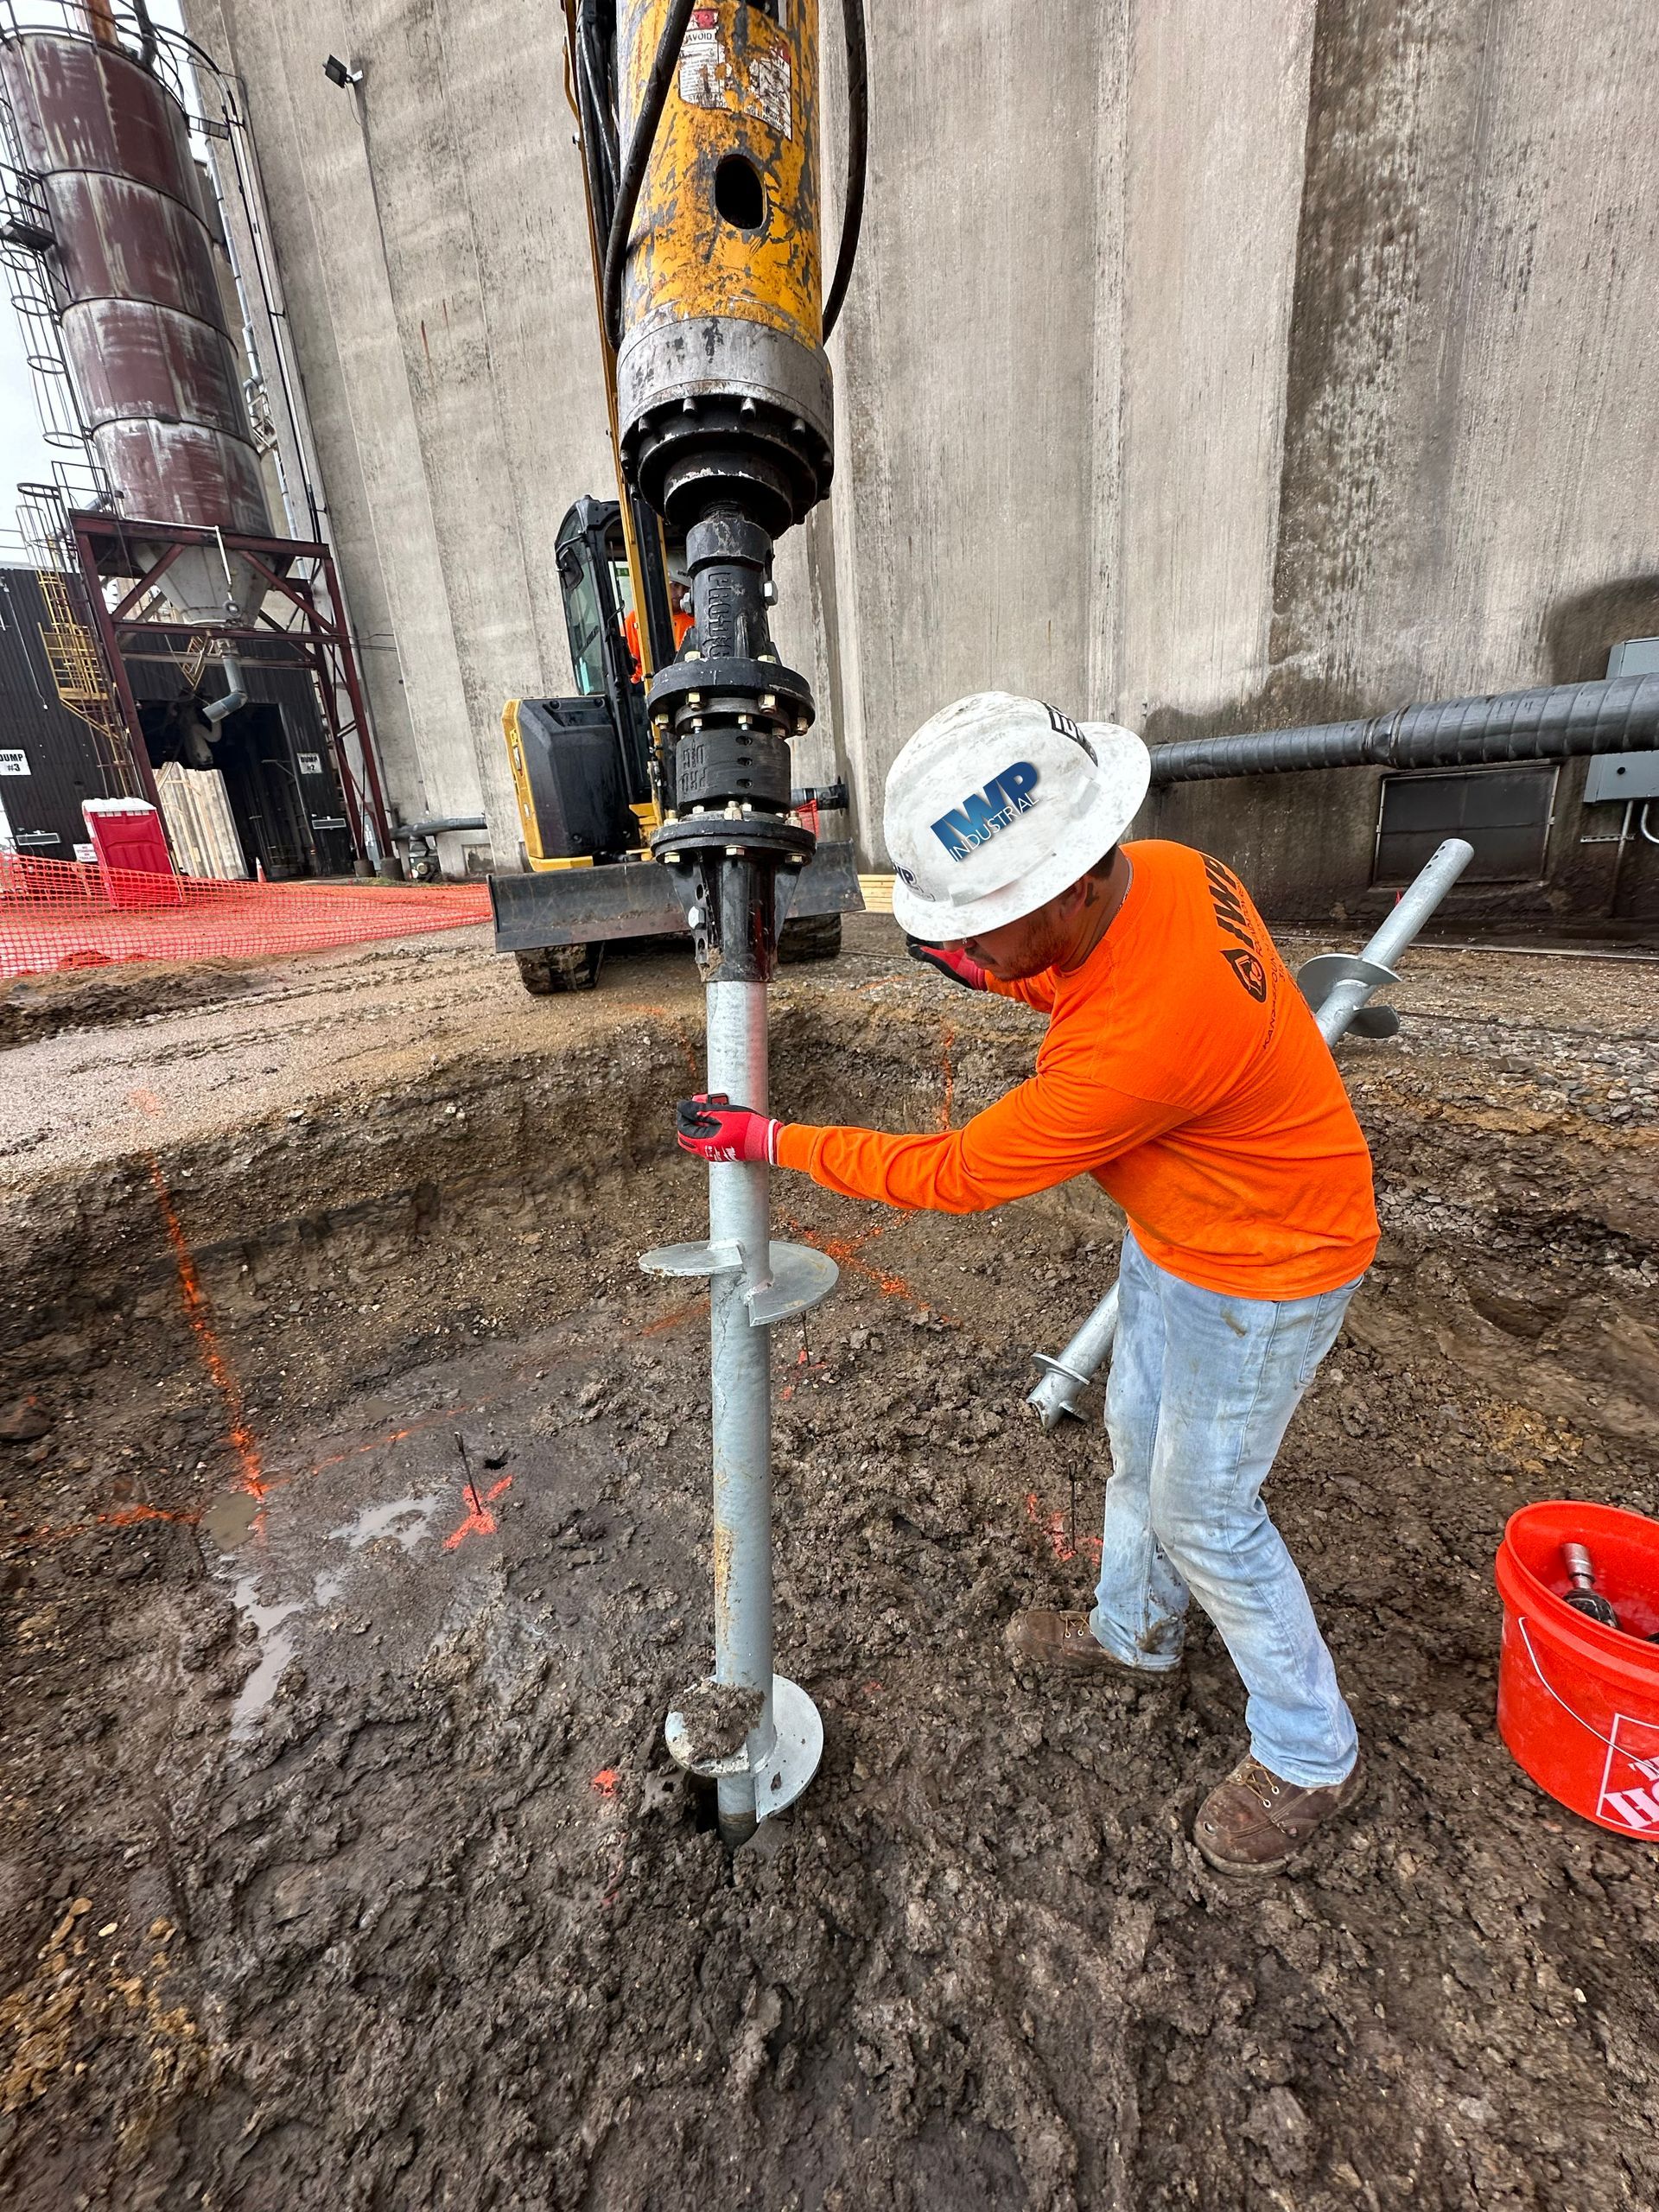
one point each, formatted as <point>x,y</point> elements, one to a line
<point>714,1128</point>
<point>957,965</point>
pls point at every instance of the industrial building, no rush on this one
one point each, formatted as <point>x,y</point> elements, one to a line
<point>177,624</point>
<point>1236,472</point>
<point>557,1653</point>
<point>1147,401</point>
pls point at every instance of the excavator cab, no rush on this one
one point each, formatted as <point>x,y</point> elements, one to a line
<point>587,784</point>
<point>598,612</point>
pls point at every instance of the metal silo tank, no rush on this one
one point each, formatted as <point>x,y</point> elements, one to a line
<point>158,375</point>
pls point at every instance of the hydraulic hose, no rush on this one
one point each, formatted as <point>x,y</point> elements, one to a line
<point>858,150</point>
<point>1554,722</point>
<point>596,102</point>
<point>637,160</point>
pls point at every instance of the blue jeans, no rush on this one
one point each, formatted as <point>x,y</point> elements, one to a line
<point>1203,1386</point>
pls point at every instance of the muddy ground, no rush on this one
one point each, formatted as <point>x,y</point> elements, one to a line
<point>342,1861</point>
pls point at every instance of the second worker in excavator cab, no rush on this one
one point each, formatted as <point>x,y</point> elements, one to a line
<point>1183,1071</point>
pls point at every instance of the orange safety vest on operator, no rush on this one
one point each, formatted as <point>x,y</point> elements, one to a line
<point>684,624</point>
<point>1183,1070</point>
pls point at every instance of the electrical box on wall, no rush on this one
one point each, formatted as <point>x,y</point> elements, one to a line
<point>1622,776</point>
<point>1625,776</point>
<point>1634,657</point>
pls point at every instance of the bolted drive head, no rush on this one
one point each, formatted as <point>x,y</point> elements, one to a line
<point>998,803</point>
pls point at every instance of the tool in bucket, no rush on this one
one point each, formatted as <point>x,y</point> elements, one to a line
<point>1578,1700</point>
<point>1584,1597</point>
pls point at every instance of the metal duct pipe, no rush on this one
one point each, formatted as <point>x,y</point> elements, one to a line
<point>741,1363</point>
<point>1068,1376</point>
<point>1555,723</point>
<point>235,689</point>
<point>1336,986</point>
<point>434,825</point>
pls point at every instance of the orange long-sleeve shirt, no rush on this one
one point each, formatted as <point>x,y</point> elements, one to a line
<point>1183,1070</point>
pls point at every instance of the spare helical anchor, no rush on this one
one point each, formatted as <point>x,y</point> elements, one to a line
<point>1337,985</point>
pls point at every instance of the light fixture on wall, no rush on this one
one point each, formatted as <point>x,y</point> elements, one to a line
<point>339,72</point>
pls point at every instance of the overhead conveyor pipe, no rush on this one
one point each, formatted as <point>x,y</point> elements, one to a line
<point>1337,985</point>
<point>1558,721</point>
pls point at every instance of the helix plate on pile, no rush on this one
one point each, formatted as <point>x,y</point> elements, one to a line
<point>796,1278</point>
<point>783,1769</point>
<point>1317,978</point>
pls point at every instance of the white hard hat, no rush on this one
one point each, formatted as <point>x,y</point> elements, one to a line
<point>998,803</point>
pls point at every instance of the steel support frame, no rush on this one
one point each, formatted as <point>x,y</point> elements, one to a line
<point>323,642</point>
<point>103,629</point>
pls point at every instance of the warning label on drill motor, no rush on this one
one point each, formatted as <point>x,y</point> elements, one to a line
<point>759,83</point>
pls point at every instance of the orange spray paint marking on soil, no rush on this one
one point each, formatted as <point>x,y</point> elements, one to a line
<point>604,1782</point>
<point>672,1320</point>
<point>379,1443</point>
<point>479,1521</point>
<point>844,1251</point>
<point>200,1315</point>
<point>122,1516</point>
<point>1053,1526</point>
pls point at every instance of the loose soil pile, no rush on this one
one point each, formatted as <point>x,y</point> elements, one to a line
<point>342,1861</point>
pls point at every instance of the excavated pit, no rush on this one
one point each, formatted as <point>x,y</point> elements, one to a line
<point>343,1862</point>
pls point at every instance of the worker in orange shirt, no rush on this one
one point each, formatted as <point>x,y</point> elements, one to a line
<point>679,609</point>
<point>1182,1070</point>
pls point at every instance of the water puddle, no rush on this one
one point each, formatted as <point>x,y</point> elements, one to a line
<point>277,1644</point>
<point>229,1521</point>
<point>408,1519</point>
<point>230,1517</point>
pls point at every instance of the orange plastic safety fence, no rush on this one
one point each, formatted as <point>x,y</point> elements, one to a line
<point>67,914</point>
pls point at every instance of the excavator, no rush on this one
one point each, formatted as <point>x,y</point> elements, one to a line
<point>718,396</point>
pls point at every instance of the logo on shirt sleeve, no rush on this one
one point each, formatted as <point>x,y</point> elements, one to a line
<point>1243,958</point>
<point>1249,970</point>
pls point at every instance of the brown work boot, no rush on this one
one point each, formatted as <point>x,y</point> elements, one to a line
<point>1253,1823</point>
<point>1063,1644</point>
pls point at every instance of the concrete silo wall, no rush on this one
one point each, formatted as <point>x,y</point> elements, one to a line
<point>1212,364</point>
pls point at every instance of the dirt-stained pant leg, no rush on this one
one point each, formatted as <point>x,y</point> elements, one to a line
<point>1214,1381</point>
<point>1140,1613</point>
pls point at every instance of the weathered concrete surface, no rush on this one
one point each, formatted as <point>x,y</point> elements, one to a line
<point>1211,364</point>
<point>1466,477</point>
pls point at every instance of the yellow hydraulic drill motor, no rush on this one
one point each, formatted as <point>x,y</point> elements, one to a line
<point>711,296</point>
<point>723,390</point>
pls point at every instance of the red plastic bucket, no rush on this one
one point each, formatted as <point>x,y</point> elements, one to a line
<point>1577,1704</point>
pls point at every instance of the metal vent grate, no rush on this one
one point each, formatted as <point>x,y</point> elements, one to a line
<point>1505,814</point>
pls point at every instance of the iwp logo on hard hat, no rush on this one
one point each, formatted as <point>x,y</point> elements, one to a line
<point>997,804</point>
<point>982,814</point>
